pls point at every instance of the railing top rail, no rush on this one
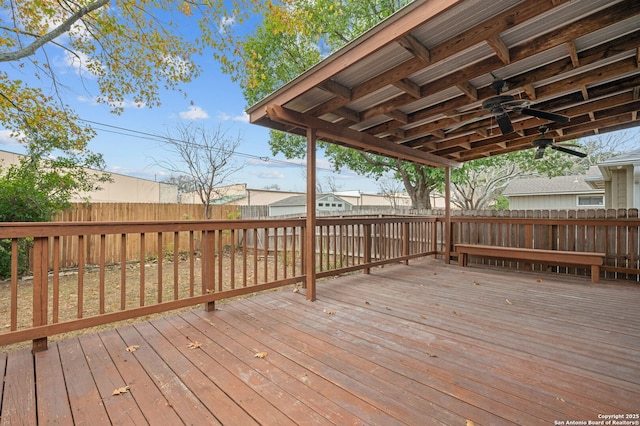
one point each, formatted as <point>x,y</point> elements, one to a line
<point>47,229</point>
<point>549,220</point>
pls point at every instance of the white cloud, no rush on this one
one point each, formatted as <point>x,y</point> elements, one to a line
<point>94,101</point>
<point>194,113</point>
<point>242,118</point>
<point>79,62</point>
<point>8,139</point>
<point>270,174</point>
<point>226,22</point>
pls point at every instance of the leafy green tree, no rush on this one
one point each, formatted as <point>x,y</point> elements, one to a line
<point>131,50</point>
<point>42,185</point>
<point>45,180</point>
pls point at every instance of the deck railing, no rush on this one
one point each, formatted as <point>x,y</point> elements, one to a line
<point>90,274</point>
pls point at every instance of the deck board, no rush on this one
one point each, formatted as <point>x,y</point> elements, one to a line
<point>427,343</point>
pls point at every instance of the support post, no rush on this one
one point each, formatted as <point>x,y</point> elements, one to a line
<point>447,215</point>
<point>310,237</point>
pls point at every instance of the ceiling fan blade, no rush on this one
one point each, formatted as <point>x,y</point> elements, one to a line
<point>505,123</point>
<point>539,153</point>
<point>558,118</point>
<point>464,123</point>
<point>568,151</point>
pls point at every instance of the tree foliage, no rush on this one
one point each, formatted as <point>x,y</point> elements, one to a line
<point>45,180</point>
<point>131,50</point>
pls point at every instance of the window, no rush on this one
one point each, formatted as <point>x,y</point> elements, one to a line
<point>320,204</point>
<point>590,200</point>
<point>333,205</point>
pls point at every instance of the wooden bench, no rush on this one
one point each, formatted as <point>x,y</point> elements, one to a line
<point>557,257</point>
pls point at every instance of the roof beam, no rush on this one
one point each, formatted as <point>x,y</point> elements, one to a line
<point>469,90</point>
<point>409,87</point>
<point>501,49</point>
<point>355,139</point>
<point>416,48</point>
<point>331,86</point>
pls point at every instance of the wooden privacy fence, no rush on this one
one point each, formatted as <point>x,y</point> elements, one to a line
<point>195,264</point>
<point>131,212</point>
<point>613,232</point>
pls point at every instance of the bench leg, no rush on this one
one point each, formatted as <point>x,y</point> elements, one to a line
<point>595,273</point>
<point>462,259</point>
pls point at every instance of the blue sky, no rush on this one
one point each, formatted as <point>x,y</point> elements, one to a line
<point>127,143</point>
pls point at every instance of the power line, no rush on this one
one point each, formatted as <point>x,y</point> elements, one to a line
<point>124,131</point>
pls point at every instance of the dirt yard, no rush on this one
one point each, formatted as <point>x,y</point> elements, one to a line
<point>72,284</point>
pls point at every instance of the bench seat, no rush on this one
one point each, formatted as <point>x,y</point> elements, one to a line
<point>557,257</point>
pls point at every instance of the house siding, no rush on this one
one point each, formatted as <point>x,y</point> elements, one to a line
<point>548,202</point>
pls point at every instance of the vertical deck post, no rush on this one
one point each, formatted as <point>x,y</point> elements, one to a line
<point>40,288</point>
<point>447,215</point>
<point>310,238</point>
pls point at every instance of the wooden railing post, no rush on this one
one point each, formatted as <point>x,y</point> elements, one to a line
<point>367,245</point>
<point>40,288</point>
<point>405,241</point>
<point>209,257</point>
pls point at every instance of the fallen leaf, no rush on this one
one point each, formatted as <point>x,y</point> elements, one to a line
<point>387,308</point>
<point>194,345</point>
<point>560,399</point>
<point>121,390</point>
<point>476,283</point>
<point>423,316</point>
<point>329,312</point>
<point>366,303</point>
<point>508,301</point>
<point>539,280</point>
<point>455,313</point>
<point>296,290</point>
<point>133,348</point>
<point>260,355</point>
<point>432,355</point>
<point>470,423</point>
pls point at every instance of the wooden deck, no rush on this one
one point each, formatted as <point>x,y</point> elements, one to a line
<point>421,344</point>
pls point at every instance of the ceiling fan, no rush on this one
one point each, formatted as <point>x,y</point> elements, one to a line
<point>501,105</point>
<point>543,143</point>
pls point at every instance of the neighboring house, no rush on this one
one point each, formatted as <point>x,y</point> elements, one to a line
<point>297,205</point>
<point>123,189</point>
<point>558,193</point>
<point>620,179</point>
<point>239,195</point>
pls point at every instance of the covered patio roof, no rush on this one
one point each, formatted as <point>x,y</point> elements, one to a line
<point>413,86</point>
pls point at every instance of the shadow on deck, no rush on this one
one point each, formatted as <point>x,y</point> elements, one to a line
<point>427,343</point>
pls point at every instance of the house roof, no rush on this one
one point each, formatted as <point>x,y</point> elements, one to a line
<point>573,184</point>
<point>412,87</point>
<point>623,159</point>
<point>301,200</point>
